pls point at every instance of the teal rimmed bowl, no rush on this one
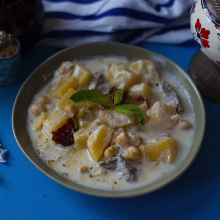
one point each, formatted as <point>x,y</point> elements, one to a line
<point>42,75</point>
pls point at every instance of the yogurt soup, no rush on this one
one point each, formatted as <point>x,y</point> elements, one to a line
<point>100,148</point>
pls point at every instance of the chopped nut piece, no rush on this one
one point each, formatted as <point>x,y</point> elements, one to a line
<point>123,139</point>
<point>43,100</point>
<point>114,137</point>
<point>185,125</point>
<point>132,153</point>
<point>49,107</point>
<point>36,109</point>
<point>83,169</point>
<point>109,152</point>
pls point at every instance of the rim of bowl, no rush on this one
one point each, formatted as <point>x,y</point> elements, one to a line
<point>160,183</point>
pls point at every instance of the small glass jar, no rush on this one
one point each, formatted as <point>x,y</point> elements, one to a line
<point>9,59</point>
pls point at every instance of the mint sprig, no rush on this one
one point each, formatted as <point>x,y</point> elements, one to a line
<point>118,96</point>
<point>98,97</point>
<point>128,109</point>
<point>92,95</point>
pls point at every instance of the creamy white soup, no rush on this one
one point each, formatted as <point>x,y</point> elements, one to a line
<point>100,148</point>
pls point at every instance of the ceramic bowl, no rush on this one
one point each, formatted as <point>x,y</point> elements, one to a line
<point>206,30</point>
<point>45,71</point>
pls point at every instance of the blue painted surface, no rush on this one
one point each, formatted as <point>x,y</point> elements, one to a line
<point>26,193</point>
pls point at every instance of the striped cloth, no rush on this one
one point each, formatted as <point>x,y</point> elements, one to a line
<point>71,22</point>
<point>2,155</point>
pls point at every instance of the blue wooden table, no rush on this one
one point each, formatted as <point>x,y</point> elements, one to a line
<point>26,193</point>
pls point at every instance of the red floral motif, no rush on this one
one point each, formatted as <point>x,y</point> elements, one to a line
<point>217,27</point>
<point>218,62</point>
<point>193,7</point>
<point>202,34</point>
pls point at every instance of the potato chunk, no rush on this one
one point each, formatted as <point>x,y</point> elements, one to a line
<point>140,89</point>
<point>54,121</point>
<point>81,74</point>
<point>121,77</point>
<point>65,100</point>
<point>78,76</point>
<point>81,136</point>
<point>114,119</point>
<point>41,119</point>
<point>132,153</point>
<point>160,151</point>
<point>61,88</point>
<point>163,115</point>
<point>145,67</point>
<point>98,141</point>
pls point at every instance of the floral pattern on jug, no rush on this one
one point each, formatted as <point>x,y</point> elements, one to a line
<point>205,30</point>
<point>193,7</point>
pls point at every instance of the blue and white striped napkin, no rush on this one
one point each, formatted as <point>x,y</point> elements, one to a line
<point>2,154</point>
<point>71,22</point>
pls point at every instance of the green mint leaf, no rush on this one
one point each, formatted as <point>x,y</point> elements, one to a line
<point>118,96</point>
<point>92,95</point>
<point>128,109</point>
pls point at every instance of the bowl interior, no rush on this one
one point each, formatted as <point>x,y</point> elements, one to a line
<point>43,74</point>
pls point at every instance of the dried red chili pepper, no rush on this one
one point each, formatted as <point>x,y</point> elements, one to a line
<point>64,135</point>
<point>142,98</point>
